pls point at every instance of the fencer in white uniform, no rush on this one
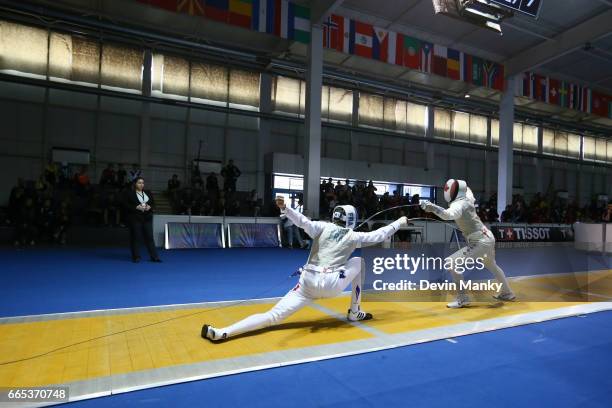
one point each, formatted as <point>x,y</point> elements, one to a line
<point>480,240</point>
<point>327,273</point>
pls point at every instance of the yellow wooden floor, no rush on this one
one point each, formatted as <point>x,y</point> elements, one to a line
<point>178,342</point>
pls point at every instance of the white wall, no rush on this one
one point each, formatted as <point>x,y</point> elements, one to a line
<point>111,128</point>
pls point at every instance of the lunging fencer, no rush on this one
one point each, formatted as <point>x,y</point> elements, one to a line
<point>327,272</point>
<point>480,240</point>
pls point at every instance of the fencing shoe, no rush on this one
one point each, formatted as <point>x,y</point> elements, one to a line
<point>212,334</point>
<point>461,300</point>
<point>358,316</point>
<point>505,296</point>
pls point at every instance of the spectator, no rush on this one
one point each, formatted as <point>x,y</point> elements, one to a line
<point>196,176</point>
<point>51,173</point>
<point>15,201</point>
<point>121,177</point>
<point>173,184</point>
<point>108,176</point>
<point>135,173</point>
<point>46,221</point>
<point>82,181</point>
<point>230,175</point>
<point>112,210</point>
<point>212,185</point>
<point>292,232</point>
<point>25,226</point>
<point>64,217</point>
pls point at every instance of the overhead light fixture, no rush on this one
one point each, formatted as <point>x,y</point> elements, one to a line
<point>467,96</point>
<point>478,12</point>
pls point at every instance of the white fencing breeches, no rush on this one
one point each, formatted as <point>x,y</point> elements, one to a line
<point>484,249</point>
<point>311,286</point>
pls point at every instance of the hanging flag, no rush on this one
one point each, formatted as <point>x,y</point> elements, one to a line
<point>426,57</point>
<point>499,79</point>
<point>411,52</point>
<point>361,39</point>
<point>490,73</point>
<point>241,13</point>
<point>477,72</point>
<point>170,5</point>
<point>439,60</point>
<point>296,22</point>
<point>216,10</point>
<point>466,69</point>
<point>191,7</point>
<point>587,101</point>
<point>564,95</point>
<point>380,44</point>
<point>453,64</point>
<point>600,104</point>
<point>392,47</point>
<point>346,35</point>
<point>554,88</point>
<point>331,28</point>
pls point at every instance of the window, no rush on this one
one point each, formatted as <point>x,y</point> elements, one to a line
<point>286,95</point>
<point>122,67</point>
<point>548,141</point>
<point>170,75</point>
<point>478,129</point>
<point>371,110</point>
<point>530,138</point>
<point>560,144</point>
<point>461,126</point>
<point>23,49</point>
<point>209,83</point>
<point>244,88</point>
<point>589,148</point>
<point>494,132</point>
<point>416,118</point>
<point>600,150</point>
<point>340,104</point>
<point>442,123</point>
<point>573,145</point>
<point>74,59</point>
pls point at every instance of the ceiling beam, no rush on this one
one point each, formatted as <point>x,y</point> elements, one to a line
<point>321,9</point>
<point>562,44</point>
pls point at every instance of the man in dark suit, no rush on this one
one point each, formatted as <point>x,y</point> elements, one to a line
<point>138,204</point>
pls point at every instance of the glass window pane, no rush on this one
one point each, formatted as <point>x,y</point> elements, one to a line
<point>530,138</point>
<point>401,116</point>
<point>122,67</point>
<point>371,110</point>
<point>560,143</point>
<point>75,59</point>
<point>609,151</point>
<point>209,82</point>
<point>494,132</point>
<point>548,141</point>
<point>23,48</point>
<point>478,129</point>
<point>170,75</point>
<point>517,136</point>
<point>600,149</point>
<point>286,95</point>
<point>244,88</point>
<point>325,102</point>
<point>573,145</point>
<point>461,126</point>
<point>589,148</point>
<point>390,120</point>
<point>416,118</point>
<point>442,123</point>
<point>340,104</point>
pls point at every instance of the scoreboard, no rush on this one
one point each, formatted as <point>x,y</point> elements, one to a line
<point>530,7</point>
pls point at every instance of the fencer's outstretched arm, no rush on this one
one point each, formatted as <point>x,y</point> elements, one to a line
<point>379,235</point>
<point>453,212</point>
<point>312,228</point>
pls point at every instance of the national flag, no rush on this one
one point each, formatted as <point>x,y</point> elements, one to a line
<point>361,39</point>
<point>345,30</point>
<point>170,5</point>
<point>392,47</point>
<point>575,95</point>
<point>554,86</point>
<point>601,104</point>
<point>540,87</point>
<point>331,28</point>
<point>380,44</point>
<point>466,69</point>
<point>499,80</point>
<point>564,95</point>
<point>426,57</point>
<point>411,52</point>
<point>474,71</point>
<point>439,60</point>
<point>191,7</point>
<point>241,12</point>
<point>453,64</point>
<point>526,85</point>
<point>295,23</point>
<point>217,10</point>
<point>587,101</point>
<point>490,73</point>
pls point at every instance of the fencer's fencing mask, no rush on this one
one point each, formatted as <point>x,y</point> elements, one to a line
<point>454,189</point>
<point>345,216</point>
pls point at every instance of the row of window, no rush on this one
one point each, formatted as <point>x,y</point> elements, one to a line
<point>64,57</point>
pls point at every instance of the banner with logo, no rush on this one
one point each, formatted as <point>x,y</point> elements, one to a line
<point>532,233</point>
<point>181,235</point>
<point>253,235</point>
